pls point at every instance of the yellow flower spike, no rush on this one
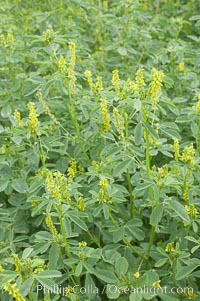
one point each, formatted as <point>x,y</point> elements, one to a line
<point>103,194</point>
<point>115,80</point>
<point>118,122</point>
<point>88,75</point>
<point>72,170</point>
<point>71,70</point>
<point>139,81</point>
<point>155,85</point>
<point>105,115</point>
<point>33,121</point>
<point>17,263</point>
<point>62,64</point>
<point>98,85</point>
<point>17,116</point>
<point>190,294</point>
<point>176,149</point>
<point>80,204</point>
<point>136,275</point>
<point>192,210</point>
<point>181,67</point>
<point>13,291</point>
<point>188,155</point>
<point>52,228</point>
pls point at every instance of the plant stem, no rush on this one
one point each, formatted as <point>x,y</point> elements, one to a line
<point>130,192</point>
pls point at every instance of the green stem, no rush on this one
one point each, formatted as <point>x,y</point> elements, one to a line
<point>96,241</point>
<point>125,240</point>
<point>59,210</point>
<point>130,192</point>
<point>152,236</point>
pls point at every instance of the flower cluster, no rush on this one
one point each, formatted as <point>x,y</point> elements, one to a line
<point>198,104</point>
<point>191,210</point>
<point>104,112</point>
<point>103,193</point>
<point>17,116</point>
<point>115,80</point>
<point>52,228</point>
<point>155,85</point>
<point>80,204</point>
<point>118,122</point>
<point>72,169</point>
<point>13,291</point>
<point>188,155</point>
<point>176,149</point>
<point>33,118</point>
<point>62,64</point>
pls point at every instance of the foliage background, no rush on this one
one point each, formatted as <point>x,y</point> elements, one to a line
<point>125,211</point>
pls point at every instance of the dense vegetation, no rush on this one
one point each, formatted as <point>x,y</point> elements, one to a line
<point>99,150</point>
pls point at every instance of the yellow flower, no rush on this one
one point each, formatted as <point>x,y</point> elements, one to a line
<point>181,67</point>
<point>170,247</point>
<point>62,64</point>
<point>136,275</point>
<point>191,210</point>
<point>190,294</point>
<point>156,284</point>
<point>139,81</point>
<point>188,155</point>
<point>88,75</point>
<point>176,149</point>
<point>82,244</point>
<point>17,116</point>
<point>52,228</point>
<point>115,80</point>
<point>68,292</point>
<point>98,85</point>
<point>33,118</point>
<point>72,170</point>
<point>104,112</point>
<point>118,122</point>
<point>155,85</point>
<point>13,291</point>
<point>103,194</point>
<point>80,204</point>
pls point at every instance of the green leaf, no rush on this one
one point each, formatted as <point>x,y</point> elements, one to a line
<point>185,271</point>
<point>138,133</point>
<point>156,215</point>
<point>151,130</point>
<point>49,274</point>
<point>135,297</point>
<point>53,256</point>
<point>121,266</point>
<point>106,276</point>
<point>171,133</point>
<point>118,235</point>
<point>161,262</point>
<point>79,268</point>
<point>3,184</point>
<point>143,186</point>
<point>27,252</point>
<point>20,185</point>
<point>91,293</point>
<point>121,167</point>
<point>25,288</point>
<point>179,209</point>
<point>78,222</point>
<point>112,291</point>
